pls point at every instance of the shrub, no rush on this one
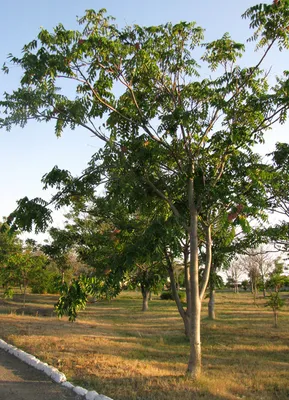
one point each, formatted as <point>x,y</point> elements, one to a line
<point>169,296</point>
<point>245,284</point>
<point>8,294</point>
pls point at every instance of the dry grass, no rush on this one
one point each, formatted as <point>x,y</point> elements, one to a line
<point>116,349</point>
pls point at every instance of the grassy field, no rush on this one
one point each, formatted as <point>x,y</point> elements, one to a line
<point>117,350</point>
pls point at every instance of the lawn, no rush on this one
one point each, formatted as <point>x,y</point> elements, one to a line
<point>116,349</point>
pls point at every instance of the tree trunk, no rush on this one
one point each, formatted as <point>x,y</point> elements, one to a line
<point>211,305</point>
<point>195,363</point>
<point>24,294</point>
<point>264,292</point>
<point>275,319</point>
<point>187,321</point>
<point>62,277</point>
<point>184,314</point>
<point>145,298</point>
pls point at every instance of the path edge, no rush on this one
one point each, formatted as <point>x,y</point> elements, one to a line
<point>50,371</point>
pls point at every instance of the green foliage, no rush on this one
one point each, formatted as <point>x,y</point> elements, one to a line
<point>23,267</point>
<point>74,296</point>
<point>9,242</point>
<point>46,281</point>
<point>271,22</point>
<point>277,279</point>
<point>275,302</point>
<point>167,295</point>
<point>31,214</point>
<point>60,249</point>
<point>8,293</point>
<point>147,63</point>
<point>245,284</point>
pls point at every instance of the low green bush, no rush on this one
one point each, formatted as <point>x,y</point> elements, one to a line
<point>167,295</point>
<point>8,294</point>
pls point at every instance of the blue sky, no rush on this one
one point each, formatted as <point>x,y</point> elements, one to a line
<point>27,154</point>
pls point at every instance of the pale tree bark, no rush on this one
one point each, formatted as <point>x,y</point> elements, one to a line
<point>211,305</point>
<point>194,293</point>
<point>183,313</point>
<point>188,287</point>
<point>195,362</point>
<point>212,286</point>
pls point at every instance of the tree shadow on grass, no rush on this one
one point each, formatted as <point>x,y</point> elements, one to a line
<point>153,388</point>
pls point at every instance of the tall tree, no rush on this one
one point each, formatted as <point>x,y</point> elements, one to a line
<point>185,138</point>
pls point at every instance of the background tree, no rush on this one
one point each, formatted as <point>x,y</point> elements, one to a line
<point>258,263</point>
<point>150,278</point>
<point>234,274</point>
<point>250,266</point>
<point>24,266</point>
<point>9,245</point>
<point>276,303</point>
<point>60,250</point>
<point>277,279</point>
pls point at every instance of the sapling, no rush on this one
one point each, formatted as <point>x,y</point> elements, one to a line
<point>276,303</point>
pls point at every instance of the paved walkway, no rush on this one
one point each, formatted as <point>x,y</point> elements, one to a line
<point>19,381</point>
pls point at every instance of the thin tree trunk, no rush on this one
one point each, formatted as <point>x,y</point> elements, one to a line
<point>275,319</point>
<point>24,294</point>
<point>195,362</point>
<point>176,297</point>
<point>145,298</point>
<point>188,313</point>
<point>183,313</point>
<point>211,305</point>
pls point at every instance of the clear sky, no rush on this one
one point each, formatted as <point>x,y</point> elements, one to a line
<point>27,154</point>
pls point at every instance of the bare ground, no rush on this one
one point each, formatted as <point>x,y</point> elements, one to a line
<point>19,381</point>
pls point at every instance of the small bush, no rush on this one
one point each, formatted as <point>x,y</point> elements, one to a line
<point>169,296</point>
<point>8,294</point>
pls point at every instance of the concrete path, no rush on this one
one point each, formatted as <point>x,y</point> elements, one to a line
<point>19,381</point>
